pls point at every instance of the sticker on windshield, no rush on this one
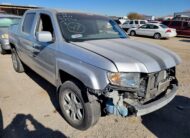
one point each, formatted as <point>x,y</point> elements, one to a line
<point>75,27</point>
<point>76,36</point>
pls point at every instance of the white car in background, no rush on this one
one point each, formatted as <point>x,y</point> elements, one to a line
<point>155,30</point>
<point>133,24</point>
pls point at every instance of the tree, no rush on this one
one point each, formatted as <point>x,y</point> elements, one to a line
<point>134,15</point>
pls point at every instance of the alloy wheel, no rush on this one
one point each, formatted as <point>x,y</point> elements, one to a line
<point>73,106</point>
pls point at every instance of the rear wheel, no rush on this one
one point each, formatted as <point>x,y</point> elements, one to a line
<point>17,64</point>
<point>132,33</point>
<point>157,36</point>
<point>2,51</point>
<point>76,112</point>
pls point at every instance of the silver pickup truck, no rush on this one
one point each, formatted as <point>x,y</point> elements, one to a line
<point>93,64</point>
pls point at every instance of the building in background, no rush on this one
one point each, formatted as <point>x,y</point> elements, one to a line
<point>148,17</point>
<point>182,14</point>
<point>15,9</point>
<point>168,17</point>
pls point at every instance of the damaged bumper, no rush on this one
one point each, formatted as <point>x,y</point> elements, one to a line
<point>157,104</point>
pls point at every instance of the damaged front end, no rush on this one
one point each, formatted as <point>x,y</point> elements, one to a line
<point>154,91</point>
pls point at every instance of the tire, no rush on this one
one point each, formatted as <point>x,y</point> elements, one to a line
<point>2,51</point>
<point>75,111</point>
<point>132,33</point>
<point>157,36</point>
<point>17,64</point>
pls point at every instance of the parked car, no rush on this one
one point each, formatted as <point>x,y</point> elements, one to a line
<point>154,30</point>
<point>133,24</point>
<point>93,65</point>
<point>156,22</point>
<point>123,20</point>
<point>5,22</point>
<point>182,27</point>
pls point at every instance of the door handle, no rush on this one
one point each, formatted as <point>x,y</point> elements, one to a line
<point>37,47</point>
<point>36,50</point>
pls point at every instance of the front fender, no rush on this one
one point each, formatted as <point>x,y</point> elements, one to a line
<point>91,76</point>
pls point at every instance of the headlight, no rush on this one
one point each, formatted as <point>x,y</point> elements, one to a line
<point>5,36</point>
<point>131,80</point>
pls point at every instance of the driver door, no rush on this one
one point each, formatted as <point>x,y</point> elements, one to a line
<point>44,52</point>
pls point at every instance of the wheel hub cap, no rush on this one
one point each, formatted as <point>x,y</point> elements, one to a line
<point>73,106</point>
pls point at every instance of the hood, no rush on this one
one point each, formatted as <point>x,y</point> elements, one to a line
<point>132,56</point>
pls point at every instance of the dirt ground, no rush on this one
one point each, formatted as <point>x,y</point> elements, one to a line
<point>28,106</point>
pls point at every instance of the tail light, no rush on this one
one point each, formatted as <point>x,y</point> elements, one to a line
<point>168,31</point>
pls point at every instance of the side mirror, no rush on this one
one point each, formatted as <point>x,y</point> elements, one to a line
<point>44,36</point>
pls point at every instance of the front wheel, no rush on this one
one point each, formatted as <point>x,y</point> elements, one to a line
<point>132,33</point>
<point>79,114</point>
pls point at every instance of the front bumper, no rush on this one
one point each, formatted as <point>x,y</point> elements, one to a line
<point>157,104</point>
<point>5,44</point>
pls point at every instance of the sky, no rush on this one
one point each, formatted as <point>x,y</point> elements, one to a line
<point>112,7</point>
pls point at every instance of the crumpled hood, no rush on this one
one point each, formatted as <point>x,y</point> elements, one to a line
<point>132,56</point>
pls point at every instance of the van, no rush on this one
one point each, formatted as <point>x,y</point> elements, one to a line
<point>182,27</point>
<point>133,24</point>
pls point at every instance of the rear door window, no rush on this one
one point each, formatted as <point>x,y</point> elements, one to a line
<point>28,22</point>
<point>142,22</point>
<point>151,26</point>
<point>131,22</point>
<point>155,27</point>
<point>136,22</point>
<point>144,26</point>
<point>148,26</point>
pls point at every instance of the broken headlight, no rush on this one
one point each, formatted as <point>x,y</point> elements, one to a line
<point>131,80</point>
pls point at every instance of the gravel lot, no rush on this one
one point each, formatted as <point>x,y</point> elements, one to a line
<point>29,108</point>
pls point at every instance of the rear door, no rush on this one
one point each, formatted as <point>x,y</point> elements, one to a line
<point>177,25</point>
<point>151,30</point>
<point>26,40</point>
<point>185,29</point>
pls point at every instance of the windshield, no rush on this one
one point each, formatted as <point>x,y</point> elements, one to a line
<point>163,26</point>
<point>6,21</point>
<point>83,27</point>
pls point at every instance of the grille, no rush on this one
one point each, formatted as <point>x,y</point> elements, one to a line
<point>155,78</point>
